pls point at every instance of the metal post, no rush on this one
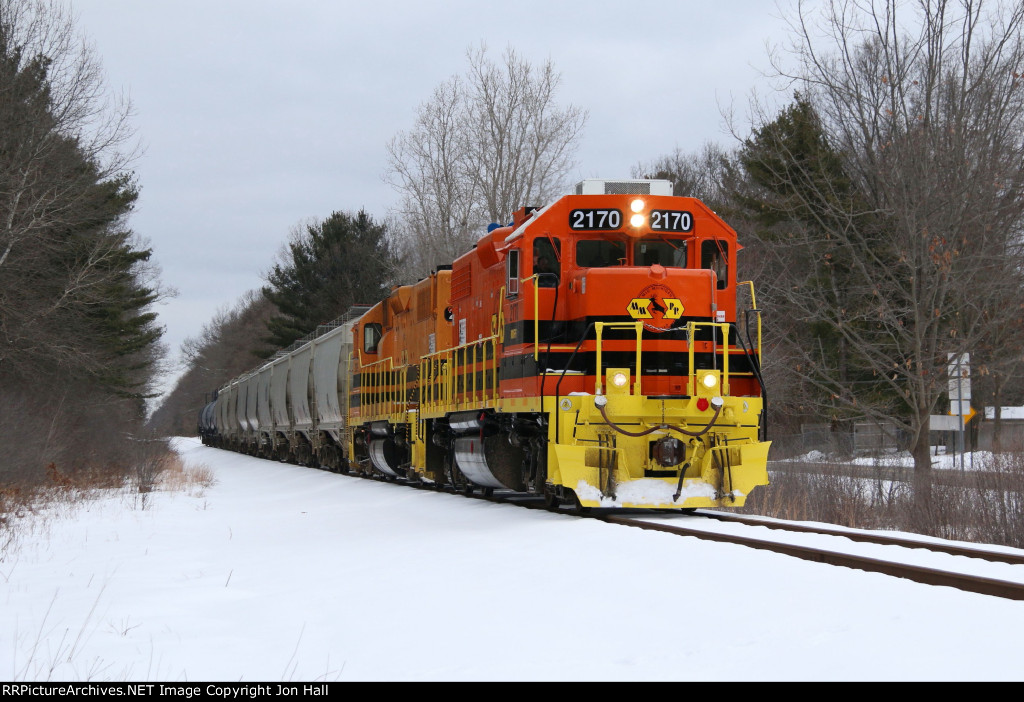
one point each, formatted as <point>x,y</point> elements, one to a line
<point>960,410</point>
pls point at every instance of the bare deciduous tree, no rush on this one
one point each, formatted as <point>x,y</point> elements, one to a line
<point>54,94</point>
<point>484,145</point>
<point>701,174</point>
<point>913,253</point>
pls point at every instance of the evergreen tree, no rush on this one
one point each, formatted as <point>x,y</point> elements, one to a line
<point>333,264</point>
<point>73,289</point>
<point>78,340</point>
<point>794,190</point>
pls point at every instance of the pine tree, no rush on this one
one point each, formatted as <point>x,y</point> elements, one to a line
<point>78,340</point>
<point>335,263</point>
<point>795,191</point>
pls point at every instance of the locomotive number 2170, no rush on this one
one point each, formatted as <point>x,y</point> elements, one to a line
<point>671,221</point>
<point>595,219</point>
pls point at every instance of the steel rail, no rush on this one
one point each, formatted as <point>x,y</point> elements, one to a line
<point>928,576</point>
<point>981,585</point>
<point>871,538</point>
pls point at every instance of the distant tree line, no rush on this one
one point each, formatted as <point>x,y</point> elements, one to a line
<point>326,267</point>
<point>79,342</point>
<point>227,346</point>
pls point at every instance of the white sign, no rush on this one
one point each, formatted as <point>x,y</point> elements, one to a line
<point>942,423</point>
<point>963,407</point>
<point>959,378</point>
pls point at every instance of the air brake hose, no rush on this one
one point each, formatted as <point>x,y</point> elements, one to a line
<point>613,425</point>
<point>679,485</point>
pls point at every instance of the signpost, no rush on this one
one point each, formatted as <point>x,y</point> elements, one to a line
<point>959,369</point>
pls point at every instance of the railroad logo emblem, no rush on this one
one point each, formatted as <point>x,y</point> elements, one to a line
<point>658,306</point>
<point>640,308</point>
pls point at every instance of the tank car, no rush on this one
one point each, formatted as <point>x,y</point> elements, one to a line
<point>207,425</point>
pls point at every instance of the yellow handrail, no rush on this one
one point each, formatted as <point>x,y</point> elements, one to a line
<point>691,329</point>
<point>444,369</point>
<point>375,398</point>
<point>753,306</point>
<point>599,328</point>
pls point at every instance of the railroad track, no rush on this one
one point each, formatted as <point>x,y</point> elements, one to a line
<point>871,538</point>
<point>1006,589</point>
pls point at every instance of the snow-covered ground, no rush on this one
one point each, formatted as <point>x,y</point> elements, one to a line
<point>281,573</point>
<point>941,460</point>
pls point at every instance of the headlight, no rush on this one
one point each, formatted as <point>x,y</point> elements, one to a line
<point>617,380</point>
<point>709,381</point>
<point>637,220</point>
<point>637,205</point>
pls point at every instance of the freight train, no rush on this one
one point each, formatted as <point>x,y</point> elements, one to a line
<point>595,352</point>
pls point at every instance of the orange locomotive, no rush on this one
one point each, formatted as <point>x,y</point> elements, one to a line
<point>588,352</point>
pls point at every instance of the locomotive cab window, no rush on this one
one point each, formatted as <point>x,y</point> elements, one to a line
<point>512,273</point>
<point>371,337</point>
<point>547,261</point>
<point>670,253</point>
<point>714,255</point>
<point>600,253</point>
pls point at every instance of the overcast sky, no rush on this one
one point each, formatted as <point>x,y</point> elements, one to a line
<point>255,115</point>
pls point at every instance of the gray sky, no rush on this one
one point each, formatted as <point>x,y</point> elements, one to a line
<point>255,115</point>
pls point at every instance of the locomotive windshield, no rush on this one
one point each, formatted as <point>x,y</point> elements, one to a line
<point>600,253</point>
<point>670,253</point>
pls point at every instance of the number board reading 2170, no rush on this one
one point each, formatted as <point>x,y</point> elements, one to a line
<point>671,221</point>
<point>595,220</point>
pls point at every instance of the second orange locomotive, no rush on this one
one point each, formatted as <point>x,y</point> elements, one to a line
<point>588,352</point>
